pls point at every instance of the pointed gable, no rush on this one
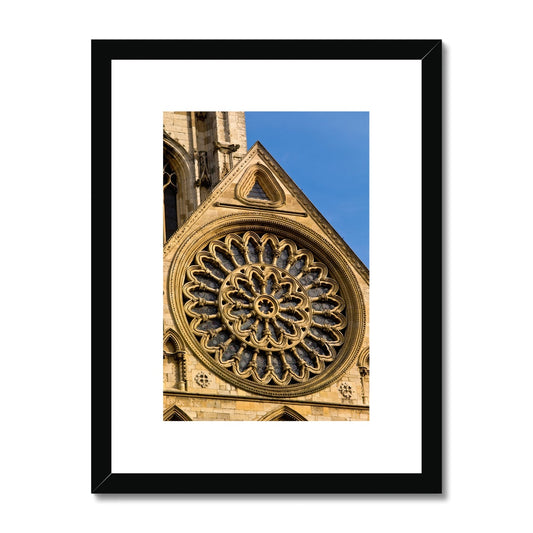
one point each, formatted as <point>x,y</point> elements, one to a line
<point>259,171</point>
<point>305,290</point>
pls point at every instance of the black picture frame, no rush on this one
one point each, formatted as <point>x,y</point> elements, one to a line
<point>429,53</point>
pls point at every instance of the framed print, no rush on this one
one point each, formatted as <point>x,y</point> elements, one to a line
<point>297,228</point>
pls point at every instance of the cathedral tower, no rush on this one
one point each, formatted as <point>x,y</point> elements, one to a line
<point>199,149</point>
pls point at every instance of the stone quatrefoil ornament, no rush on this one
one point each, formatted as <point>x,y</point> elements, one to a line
<point>264,308</point>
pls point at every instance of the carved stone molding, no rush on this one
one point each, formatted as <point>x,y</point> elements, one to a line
<point>226,148</point>
<point>363,376</point>
<point>346,390</point>
<point>202,379</point>
<point>203,179</point>
<point>283,413</point>
<point>171,343</point>
<point>175,414</point>
<point>363,359</point>
<point>172,350</point>
<point>259,176</point>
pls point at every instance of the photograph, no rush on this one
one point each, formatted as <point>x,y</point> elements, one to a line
<point>302,150</point>
<point>265,266</point>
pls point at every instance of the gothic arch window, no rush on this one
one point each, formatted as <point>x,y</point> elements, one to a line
<point>178,196</point>
<point>170,198</point>
<point>283,414</point>
<point>175,414</point>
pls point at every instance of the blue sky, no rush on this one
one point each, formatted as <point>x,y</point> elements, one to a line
<point>326,154</point>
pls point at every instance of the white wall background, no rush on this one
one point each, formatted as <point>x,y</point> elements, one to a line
<point>45,380</point>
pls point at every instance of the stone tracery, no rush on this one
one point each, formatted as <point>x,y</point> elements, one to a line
<point>264,308</point>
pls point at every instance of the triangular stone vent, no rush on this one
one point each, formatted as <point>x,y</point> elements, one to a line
<point>259,187</point>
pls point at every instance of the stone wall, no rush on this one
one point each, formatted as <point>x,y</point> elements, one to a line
<point>246,409</point>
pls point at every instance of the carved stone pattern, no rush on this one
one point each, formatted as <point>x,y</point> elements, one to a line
<point>264,309</point>
<point>202,379</point>
<point>355,309</point>
<point>169,176</point>
<point>203,180</point>
<point>346,390</point>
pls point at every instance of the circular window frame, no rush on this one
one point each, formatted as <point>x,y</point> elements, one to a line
<point>193,242</point>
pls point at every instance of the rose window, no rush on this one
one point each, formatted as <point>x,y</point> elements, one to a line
<point>264,309</point>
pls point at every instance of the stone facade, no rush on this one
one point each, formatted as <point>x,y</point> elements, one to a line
<point>265,306</point>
